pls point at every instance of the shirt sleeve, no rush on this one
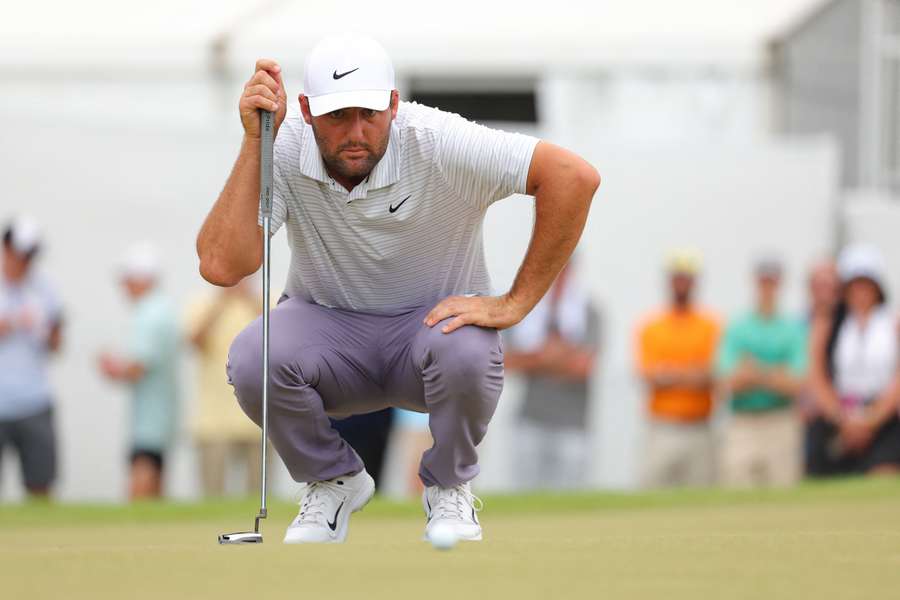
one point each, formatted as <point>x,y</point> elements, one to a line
<point>483,165</point>
<point>644,354</point>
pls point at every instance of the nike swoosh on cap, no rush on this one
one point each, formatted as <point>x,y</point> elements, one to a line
<point>335,75</point>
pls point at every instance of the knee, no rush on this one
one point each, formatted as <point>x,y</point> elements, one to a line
<point>290,367</point>
<point>467,356</point>
<point>244,370</point>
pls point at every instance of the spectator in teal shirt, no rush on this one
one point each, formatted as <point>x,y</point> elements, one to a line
<point>762,363</point>
<point>150,368</point>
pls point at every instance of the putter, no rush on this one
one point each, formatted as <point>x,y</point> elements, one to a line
<point>266,141</point>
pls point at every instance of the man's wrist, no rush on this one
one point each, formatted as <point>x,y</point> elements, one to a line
<point>514,306</point>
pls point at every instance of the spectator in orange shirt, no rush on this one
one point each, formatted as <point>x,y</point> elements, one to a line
<point>676,349</point>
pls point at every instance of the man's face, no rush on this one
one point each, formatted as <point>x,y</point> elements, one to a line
<point>767,288</point>
<point>824,285</point>
<point>352,140</point>
<point>682,287</point>
<point>136,287</point>
<point>862,294</point>
<point>15,265</point>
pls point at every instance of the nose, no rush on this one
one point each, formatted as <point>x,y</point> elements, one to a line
<point>355,132</point>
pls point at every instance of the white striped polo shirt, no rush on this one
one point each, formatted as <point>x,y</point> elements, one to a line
<point>411,233</point>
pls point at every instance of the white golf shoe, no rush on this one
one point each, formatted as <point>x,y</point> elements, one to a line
<point>325,509</point>
<point>455,507</point>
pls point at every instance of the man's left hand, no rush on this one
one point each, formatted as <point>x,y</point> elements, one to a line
<point>497,312</point>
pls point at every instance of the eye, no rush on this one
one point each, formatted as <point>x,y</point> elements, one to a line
<point>368,113</point>
<point>337,114</point>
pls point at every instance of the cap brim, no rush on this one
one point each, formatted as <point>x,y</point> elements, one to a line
<point>372,99</point>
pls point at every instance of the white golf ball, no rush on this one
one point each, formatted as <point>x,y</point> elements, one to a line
<point>442,536</point>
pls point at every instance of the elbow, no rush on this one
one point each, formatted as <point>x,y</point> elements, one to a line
<point>217,275</point>
<point>590,178</point>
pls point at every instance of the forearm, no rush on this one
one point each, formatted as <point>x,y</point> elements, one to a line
<point>580,367</point>
<point>54,339</point>
<point>563,187</point>
<point>525,362</point>
<point>230,242</point>
<point>782,382</point>
<point>683,377</point>
<point>885,406</point>
<point>826,399</point>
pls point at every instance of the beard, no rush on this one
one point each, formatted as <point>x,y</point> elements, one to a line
<point>358,167</point>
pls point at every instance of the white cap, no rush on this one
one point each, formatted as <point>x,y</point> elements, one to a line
<point>140,261</point>
<point>348,70</point>
<point>25,235</point>
<point>861,260</point>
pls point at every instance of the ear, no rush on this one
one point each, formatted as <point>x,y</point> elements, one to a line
<point>304,108</point>
<point>395,102</point>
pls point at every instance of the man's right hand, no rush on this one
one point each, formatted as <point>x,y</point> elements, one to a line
<point>265,90</point>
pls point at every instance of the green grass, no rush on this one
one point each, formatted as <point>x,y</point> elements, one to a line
<point>825,540</point>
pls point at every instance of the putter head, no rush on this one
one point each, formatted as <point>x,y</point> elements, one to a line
<point>241,537</point>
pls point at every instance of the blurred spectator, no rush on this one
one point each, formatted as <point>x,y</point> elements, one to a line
<point>555,348</point>
<point>763,362</point>
<point>222,432</point>
<point>368,435</point>
<point>30,329</point>
<point>855,376</point>
<point>149,367</point>
<point>413,437</point>
<point>676,348</point>
<point>824,291</point>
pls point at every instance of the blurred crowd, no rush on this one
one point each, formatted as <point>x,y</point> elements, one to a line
<point>761,399</point>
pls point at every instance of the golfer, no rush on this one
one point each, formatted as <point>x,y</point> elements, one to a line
<point>387,300</point>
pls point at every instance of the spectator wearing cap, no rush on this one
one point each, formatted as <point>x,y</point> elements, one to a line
<point>149,368</point>
<point>855,375</point>
<point>762,363</point>
<point>676,346</point>
<point>30,331</point>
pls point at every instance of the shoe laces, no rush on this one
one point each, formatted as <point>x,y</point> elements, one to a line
<point>314,499</point>
<point>455,503</point>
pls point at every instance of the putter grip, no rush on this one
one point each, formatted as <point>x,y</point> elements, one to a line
<point>266,143</point>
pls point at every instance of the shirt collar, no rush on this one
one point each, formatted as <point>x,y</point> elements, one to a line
<point>385,173</point>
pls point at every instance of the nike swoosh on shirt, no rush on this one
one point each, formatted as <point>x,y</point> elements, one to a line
<point>333,524</point>
<point>393,208</point>
<point>335,75</point>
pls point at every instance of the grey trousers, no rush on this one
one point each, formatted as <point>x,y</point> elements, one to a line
<point>330,362</point>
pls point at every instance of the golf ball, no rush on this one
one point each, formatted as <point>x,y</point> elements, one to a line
<point>442,536</point>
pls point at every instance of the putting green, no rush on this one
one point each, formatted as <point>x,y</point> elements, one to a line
<point>834,540</point>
